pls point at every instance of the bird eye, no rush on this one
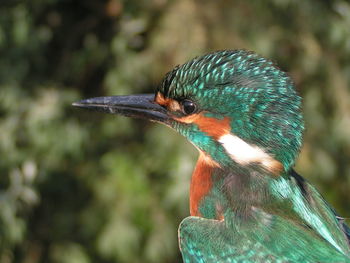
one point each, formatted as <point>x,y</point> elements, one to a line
<point>188,106</point>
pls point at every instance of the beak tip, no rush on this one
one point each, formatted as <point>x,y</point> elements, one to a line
<point>80,103</point>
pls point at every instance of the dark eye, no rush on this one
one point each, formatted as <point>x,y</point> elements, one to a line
<point>188,106</point>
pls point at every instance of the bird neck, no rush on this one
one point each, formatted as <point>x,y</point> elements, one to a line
<point>216,189</point>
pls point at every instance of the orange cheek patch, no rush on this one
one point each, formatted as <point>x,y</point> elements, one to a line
<point>170,104</point>
<point>212,126</point>
<point>218,128</point>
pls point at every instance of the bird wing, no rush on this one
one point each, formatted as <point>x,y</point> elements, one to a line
<point>270,239</point>
<point>318,214</point>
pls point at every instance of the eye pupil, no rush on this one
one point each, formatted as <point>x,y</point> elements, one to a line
<point>188,106</point>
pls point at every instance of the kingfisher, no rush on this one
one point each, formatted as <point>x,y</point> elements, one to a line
<point>247,203</point>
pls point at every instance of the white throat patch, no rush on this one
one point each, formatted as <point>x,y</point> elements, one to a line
<point>244,153</point>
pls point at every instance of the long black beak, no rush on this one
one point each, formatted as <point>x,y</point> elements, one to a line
<point>138,106</point>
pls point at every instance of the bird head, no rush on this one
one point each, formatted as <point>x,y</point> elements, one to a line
<point>236,107</point>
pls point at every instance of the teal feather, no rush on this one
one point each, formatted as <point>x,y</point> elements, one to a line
<point>266,218</point>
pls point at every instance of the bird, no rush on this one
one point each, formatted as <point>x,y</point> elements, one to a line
<point>247,203</point>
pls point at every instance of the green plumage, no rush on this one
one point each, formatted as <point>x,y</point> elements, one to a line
<point>266,218</point>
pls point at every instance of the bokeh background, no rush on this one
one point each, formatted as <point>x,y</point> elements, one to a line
<point>80,187</point>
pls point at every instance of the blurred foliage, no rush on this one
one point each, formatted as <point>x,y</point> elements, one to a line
<point>79,187</point>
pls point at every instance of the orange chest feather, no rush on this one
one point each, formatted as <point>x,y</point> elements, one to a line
<point>201,184</point>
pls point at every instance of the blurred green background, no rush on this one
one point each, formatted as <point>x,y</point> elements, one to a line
<point>79,187</point>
